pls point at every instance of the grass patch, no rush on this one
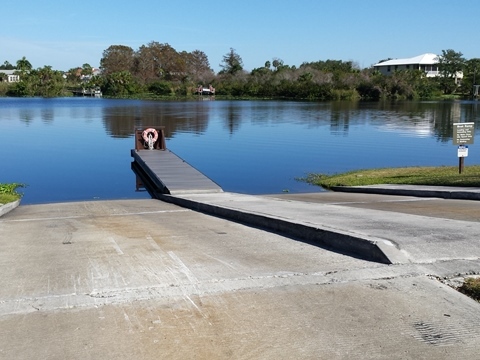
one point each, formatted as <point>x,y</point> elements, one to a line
<point>8,192</point>
<point>435,176</point>
<point>471,288</point>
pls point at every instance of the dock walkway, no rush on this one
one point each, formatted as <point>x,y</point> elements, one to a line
<point>163,172</point>
<point>169,174</point>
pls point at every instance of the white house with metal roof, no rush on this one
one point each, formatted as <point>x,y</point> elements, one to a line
<point>10,75</point>
<point>427,63</point>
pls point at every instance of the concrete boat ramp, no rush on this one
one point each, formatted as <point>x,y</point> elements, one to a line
<point>368,234</point>
<point>149,279</point>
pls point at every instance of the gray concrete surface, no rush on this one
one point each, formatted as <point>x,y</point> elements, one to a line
<point>445,192</point>
<point>6,208</point>
<point>146,279</point>
<point>362,231</point>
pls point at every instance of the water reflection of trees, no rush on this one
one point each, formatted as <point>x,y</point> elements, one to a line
<point>340,114</point>
<point>446,116</point>
<point>429,118</point>
<point>47,115</point>
<point>26,115</point>
<point>232,119</point>
<point>437,117</point>
<point>176,116</point>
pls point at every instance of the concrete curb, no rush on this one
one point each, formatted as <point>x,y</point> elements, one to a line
<point>6,208</point>
<point>332,239</point>
<point>418,191</point>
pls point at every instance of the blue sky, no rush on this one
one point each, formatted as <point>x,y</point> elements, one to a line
<point>66,34</point>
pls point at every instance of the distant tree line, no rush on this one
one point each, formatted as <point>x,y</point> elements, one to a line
<point>157,69</point>
<point>44,82</point>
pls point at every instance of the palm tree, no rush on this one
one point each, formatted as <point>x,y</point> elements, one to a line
<point>24,65</point>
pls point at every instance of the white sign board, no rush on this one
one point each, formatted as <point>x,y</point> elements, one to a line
<point>462,151</point>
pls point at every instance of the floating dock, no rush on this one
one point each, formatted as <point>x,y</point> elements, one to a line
<point>87,92</point>
<point>163,172</point>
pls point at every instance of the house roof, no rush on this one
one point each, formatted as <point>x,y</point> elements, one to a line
<point>425,59</point>
<point>8,72</point>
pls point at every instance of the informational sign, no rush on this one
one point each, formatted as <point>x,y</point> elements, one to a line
<point>463,133</point>
<point>462,151</point>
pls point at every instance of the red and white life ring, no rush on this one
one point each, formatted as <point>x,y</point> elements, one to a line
<point>148,131</point>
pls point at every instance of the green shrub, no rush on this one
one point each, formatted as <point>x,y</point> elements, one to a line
<point>160,88</point>
<point>8,192</point>
<point>471,288</point>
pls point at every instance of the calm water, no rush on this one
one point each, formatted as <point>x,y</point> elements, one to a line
<point>72,149</point>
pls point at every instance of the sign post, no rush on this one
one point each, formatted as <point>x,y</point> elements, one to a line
<point>462,154</point>
<point>463,134</point>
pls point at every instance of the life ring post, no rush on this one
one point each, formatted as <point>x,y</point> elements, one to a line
<point>150,137</point>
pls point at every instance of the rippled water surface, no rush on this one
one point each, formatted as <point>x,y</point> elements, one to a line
<point>72,149</point>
